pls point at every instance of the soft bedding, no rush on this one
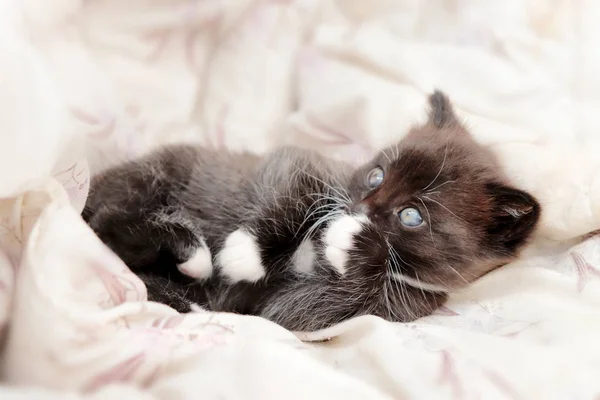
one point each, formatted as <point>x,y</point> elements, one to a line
<point>87,83</point>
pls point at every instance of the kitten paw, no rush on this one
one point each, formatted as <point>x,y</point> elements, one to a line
<point>199,265</point>
<point>240,258</point>
<point>339,238</point>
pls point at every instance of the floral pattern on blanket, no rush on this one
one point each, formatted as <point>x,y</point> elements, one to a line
<point>341,77</point>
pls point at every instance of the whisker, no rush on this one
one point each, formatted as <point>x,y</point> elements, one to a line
<point>331,204</point>
<point>390,313</point>
<point>341,192</point>
<point>390,279</point>
<point>443,206</point>
<point>430,222</point>
<point>400,285</point>
<point>439,172</point>
<point>421,287</point>
<point>457,273</point>
<point>326,218</point>
<point>407,301</point>
<point>430,191</point>
<point>387,157</point>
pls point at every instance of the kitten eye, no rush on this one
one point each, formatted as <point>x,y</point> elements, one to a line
<point>375,177</point>
<point>410,217</point>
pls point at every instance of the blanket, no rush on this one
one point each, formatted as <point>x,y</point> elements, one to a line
<point>89,83</point>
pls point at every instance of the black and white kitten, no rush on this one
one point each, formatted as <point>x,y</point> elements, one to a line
<point>308,242</point>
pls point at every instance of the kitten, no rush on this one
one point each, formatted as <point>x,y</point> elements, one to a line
<point>308,242</point>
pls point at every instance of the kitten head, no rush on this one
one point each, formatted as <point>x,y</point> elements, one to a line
<point>443,205</point>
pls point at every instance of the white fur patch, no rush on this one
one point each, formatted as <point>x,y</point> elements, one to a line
<point>197,309</point>
<point>339,238</point>
<point>240,258</point>
<point>199,266</point>
<point>430,287</point>
<point>304,257</point>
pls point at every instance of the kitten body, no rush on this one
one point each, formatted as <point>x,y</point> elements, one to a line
<point>307,241</point>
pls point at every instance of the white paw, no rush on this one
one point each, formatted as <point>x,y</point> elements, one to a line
<point>197,309</point>
<point>303,259</point>
<point>240,258</point>
<point>199,266</point>
<point>339,238</point>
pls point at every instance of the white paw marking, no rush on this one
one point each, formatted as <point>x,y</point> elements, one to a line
<point>304,257</point>
<point>430,287</point>
<point>240,258</point>
<point>197,309</point>
<point>199,266</point>
<point>339,238</point>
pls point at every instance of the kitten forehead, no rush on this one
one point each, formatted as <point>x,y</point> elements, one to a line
<point>428,150</point>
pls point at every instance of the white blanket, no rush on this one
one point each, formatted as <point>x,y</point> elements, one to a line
<point>117,78</point>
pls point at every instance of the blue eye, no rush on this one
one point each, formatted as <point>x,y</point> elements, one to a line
<point>375,177</point>
<point>410,217</point>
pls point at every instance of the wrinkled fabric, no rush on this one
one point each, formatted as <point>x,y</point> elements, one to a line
<point>87,84</point>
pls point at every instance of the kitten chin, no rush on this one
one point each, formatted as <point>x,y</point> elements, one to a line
<point>308,242</point>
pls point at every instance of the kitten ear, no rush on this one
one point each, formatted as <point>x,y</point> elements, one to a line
<point>441,113</point>
<point>515,216</point>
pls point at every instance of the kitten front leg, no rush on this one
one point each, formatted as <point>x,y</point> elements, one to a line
<point>185,242</point>
<point>339,240</point>
<point>240,258</point>
<point>194,259</point>
<point>351,240</point>
<point>141,237</point>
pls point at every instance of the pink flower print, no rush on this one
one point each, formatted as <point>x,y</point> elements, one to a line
<point>104,127</point>
<point>585,271</point>
<point>134,288</point>
<point>190,40</point>
<point>11,228</point>
<point>167,322</point>
<point>217,140</point>
<point>119,288</point>
<point>71,171</point>
<point>84,116</point>
<point>518,331</point>
<point>331,136</point>
<point>113,287</point>
<point>194,21</point>
<point>133,112</point>
<point>75,180</point>
<point>160,38</point>
<point>501,383</point>
<point>216,325</point>
<point>311,62</point>
<point>121,372</point>
<point>265,20</point>
<point>448,374</point>
<point>135,127</point>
